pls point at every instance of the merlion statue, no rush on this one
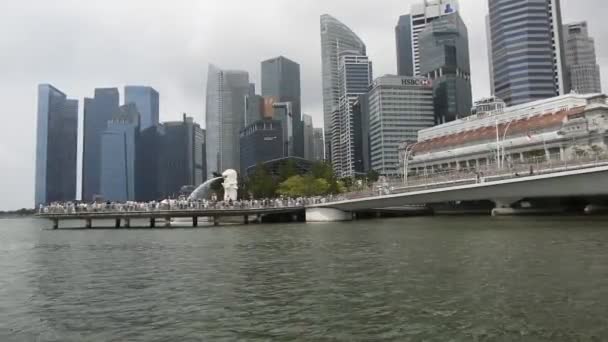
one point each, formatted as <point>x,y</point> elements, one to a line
<point>231,185</point>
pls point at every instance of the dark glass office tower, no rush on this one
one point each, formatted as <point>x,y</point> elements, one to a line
<point>527,57</point>
<point>118,155</point>
<point>148,175</point>
<point>403,36</point>
<point>147,101</point>
<point>444,58</point>
<point>182,155</point>
<point>261,141</point>
<point>56,146</point>
<point>281,79</point>
<point>97,112</point>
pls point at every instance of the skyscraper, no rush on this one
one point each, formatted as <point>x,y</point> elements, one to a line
<point>182,156</point>
<point>148,175</point>
<point>56,146</point>
<point>408,30</point>
<point>361,134</point>
<point>261,141</point>
<point>582,69</point>
<point>308,137</point>
<point>335,38</point>
<point>147,102</point>
<point>398,108</point>
<point>226,91</point>
<point>281,80</point>
<point>444,58</point>
<point>118,155</point>
<point>319,145</point>
<point>97,112</point>
<point>527,56</point>
<point>355,77</point>
<point>253,106</point>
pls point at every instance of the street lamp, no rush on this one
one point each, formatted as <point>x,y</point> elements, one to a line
<point>406,158</point>
<point>500,152</point>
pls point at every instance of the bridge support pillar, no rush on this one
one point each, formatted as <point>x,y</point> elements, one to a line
<point>167,222</point>
<point>89,223</point>
<point>195,222</point>
<point>117,223</point>
<point>504,206</point>
<point>127,223</point>
<point>246,219</point>
<point>55,224</point>
<point>216,221</point>
<point>596,209</point>
<point>152,223</point>
<point>327,215</point>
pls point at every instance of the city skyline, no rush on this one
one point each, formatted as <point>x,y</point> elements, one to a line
<point>180,84</point>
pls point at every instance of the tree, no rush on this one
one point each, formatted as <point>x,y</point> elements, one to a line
<point>322,170</point>
<point>287,169</point>
<point>347,182</point>
<point>261,184</point>
<point>303,186</point>
<point>373,176</point>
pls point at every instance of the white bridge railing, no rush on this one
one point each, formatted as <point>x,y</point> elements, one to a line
<point>487,174</point>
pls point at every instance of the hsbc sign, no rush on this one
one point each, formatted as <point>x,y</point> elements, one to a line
<point>416,82</point>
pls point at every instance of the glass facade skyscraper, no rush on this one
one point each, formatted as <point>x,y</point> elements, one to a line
<point>527,57</point>
<point>409,28</point>
<point>97,112</point>
<point>281,80</point>
<point>308,137</point>
<point>147,101</point>
<point>261,141</point>
<point>444,58</point>
<point>182,157</point>
<point>56,146</point>
<point>226,93</point>
<point>582,69</point>
<point>118,155</point>
<point>335,38</point>
<point>148,170</point>
<point>319,145</point>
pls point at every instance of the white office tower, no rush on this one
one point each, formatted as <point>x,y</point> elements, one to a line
<point>355,77</point>
<point>335,38</point>
<point>398,108</point>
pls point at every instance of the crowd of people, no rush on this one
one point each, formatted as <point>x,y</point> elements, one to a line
<point>181,204</point>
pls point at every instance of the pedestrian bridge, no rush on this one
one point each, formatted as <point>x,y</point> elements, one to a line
<point>504,190</point>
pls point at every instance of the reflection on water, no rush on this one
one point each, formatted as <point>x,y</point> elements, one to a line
<point>433,279</point>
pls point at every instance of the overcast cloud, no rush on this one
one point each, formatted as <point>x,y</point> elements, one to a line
<point>78,45</point>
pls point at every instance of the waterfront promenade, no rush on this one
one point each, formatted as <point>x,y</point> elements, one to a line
<point>583,177</point>
<point>164,212</point>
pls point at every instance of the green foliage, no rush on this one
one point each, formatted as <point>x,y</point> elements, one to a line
<point>303,186</point>
<point>373,176</point>
<point>261,184</point>
<point>287,170</point>
<point>320,181</point>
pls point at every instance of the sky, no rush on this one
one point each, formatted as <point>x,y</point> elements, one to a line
<point>78,45</point>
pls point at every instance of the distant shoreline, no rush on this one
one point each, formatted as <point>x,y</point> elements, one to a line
<point>21,213</point>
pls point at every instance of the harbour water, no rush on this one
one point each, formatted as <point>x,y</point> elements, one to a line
<point>412,279</point>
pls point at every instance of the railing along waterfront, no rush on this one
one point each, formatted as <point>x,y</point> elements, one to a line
<point>168,206</point>
<point>486,174</point>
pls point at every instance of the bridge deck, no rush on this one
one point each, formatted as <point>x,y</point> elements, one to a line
<point>174,213</point>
